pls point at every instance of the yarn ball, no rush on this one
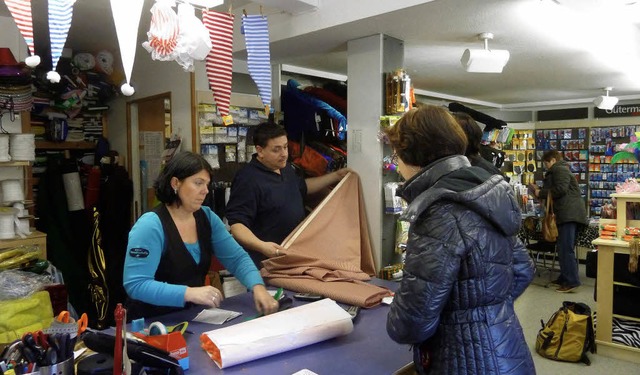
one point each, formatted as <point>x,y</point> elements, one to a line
<point>127,90</point>
<point>32,61</point>
<point>53,76</point>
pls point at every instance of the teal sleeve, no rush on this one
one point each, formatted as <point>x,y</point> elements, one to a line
<point>144,250</point>
<point>229,252</point>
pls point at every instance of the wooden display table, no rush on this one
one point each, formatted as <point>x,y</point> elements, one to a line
<point>605,282</point>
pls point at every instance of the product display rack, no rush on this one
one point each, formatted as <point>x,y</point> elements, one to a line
<point>603,176</point>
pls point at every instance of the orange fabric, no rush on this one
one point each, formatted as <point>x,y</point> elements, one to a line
<point>313,163</point>
<point>329,253</point>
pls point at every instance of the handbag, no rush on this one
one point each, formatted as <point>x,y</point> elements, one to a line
<point>549,227</point>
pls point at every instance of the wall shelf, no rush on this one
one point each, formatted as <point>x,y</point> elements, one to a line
<point>48,145</point>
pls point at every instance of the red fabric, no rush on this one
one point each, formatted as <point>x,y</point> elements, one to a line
<point>92,194</point>
<point>219,60</point>
<point>329,253</point>
<point>313,163</point>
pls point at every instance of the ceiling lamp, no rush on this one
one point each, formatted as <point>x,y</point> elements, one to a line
<point>484,60</point>
<point>606,102</point>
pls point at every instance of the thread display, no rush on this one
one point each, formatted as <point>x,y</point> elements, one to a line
<point>22,147</point>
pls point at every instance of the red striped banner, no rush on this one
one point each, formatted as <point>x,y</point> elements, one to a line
<point>219,60</point>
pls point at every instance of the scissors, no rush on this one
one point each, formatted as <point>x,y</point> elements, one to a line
<point>37,350</point>
<point>83,322</point>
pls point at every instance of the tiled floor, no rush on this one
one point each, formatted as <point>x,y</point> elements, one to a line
<point>539,302</point>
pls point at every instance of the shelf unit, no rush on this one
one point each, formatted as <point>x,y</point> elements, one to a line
<point>36,237</point>
<point>605,283</point>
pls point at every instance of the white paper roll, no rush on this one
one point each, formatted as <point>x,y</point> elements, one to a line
<point>73,190</point>
<point>277,333</point>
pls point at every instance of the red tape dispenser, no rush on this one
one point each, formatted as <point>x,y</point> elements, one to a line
<point>169,339</point>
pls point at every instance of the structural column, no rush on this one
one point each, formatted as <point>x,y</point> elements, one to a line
<point>368,59</point>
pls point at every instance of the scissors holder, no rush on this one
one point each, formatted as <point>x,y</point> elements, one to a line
<point>63,368</point>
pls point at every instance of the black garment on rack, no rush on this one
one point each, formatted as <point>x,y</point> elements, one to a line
<point>116,197</point>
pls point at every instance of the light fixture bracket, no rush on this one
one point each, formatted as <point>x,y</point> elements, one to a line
<point>484,60</point>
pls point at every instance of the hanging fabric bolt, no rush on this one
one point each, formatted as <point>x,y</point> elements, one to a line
<point>219,59</point>
<point>60,15</point>
<point>126,16</point>
<point>256,34</point>
<point>21,13</point>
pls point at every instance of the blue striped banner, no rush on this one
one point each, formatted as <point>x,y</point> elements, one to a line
<point>256,34</point>
<point>60,14</point>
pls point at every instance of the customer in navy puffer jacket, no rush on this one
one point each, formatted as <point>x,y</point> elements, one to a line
<point>464,264</point>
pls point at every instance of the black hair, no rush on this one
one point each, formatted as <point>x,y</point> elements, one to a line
<point>181,166</point>
<point>266,131</point>
<point>472,130</point>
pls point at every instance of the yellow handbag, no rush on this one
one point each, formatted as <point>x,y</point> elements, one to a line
<point>28,314</point>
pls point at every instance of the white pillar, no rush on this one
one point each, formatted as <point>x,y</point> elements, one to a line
<point>368,59</point>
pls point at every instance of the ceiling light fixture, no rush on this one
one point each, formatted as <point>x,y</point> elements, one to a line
<point>484,60</point>
<point>606,102</point>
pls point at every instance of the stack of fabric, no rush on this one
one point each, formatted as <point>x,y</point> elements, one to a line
<point>15,84</point>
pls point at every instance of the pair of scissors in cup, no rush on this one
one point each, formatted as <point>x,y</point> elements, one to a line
<point>37,349</point>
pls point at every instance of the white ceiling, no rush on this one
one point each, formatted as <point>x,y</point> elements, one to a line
<point>552,44</point>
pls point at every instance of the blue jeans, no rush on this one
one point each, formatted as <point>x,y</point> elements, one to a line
<point>566,253</point>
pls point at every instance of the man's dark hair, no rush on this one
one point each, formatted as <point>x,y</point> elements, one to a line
<point>266,131</point>
<point>181,166</point>
<point>552,154</point>
<point>472,130</point>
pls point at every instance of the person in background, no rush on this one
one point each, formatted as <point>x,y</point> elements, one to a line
<point>267,196</point>
<point>170,248</point>
<point>474,140</point>
<point>464,263</point>
<point>561,185</point>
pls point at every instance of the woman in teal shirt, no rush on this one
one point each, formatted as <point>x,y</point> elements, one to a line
<point>170,248</point>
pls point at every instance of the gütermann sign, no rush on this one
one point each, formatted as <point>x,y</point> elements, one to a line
<point>627,110</point>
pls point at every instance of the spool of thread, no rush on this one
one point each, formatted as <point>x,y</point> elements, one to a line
<point>12,191</point>
<point>7,226</point>
<point>4,147</point>
<point>22,147</point>
<point>73,190</point>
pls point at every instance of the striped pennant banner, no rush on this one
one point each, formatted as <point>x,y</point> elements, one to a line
<point>219,60</point>
<point>21,12</point>
<point>256,34</point>
<point>60,14</point>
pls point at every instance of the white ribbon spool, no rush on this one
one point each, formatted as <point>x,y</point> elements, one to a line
<point>7,223</point>
<point>12,191</point>
<point>22,147</point>
<point>4,147</point>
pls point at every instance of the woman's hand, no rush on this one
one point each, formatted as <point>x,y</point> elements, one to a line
<point>265,303</point>
<point>204,295</point>
<point>272,249</point>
